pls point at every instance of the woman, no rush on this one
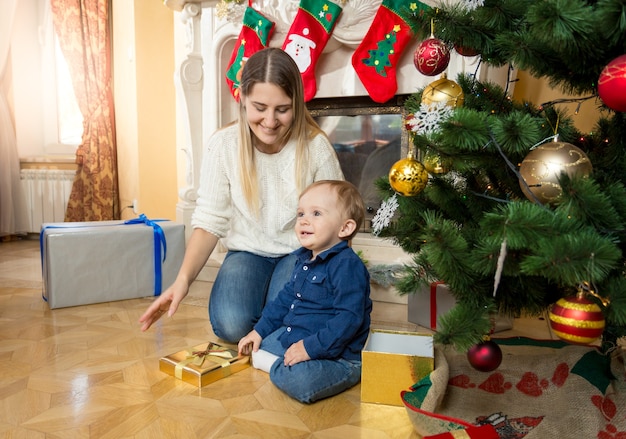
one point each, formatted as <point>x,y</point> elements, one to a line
<point>252,174</point>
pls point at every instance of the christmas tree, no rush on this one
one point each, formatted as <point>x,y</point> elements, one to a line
<point>503,236</point>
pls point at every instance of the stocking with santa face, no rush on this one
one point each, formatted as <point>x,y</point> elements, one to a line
<point>307,37</point>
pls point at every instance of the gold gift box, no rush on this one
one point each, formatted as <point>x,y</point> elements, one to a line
<point>392,361</point>
<point>203,364</point>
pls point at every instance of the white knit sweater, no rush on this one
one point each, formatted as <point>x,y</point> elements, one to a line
<point>222,210</point>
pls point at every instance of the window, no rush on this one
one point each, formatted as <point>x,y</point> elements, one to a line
<point>69,118</point>
<point>63,121</point>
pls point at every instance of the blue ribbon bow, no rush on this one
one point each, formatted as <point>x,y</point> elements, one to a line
<point>159,242</point>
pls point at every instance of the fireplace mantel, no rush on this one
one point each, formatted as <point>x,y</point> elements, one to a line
<point>206,33</point>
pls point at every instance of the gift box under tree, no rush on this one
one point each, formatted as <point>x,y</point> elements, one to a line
<point>392,361</point>
<point>425,308</point>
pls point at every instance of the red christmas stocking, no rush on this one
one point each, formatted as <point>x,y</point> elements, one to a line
<point>376,57</point>
<point>254,36</point>
<point>307,37</point>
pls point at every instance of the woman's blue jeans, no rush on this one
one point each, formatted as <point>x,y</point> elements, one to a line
<point>244,283</point>
<point>310,381</point>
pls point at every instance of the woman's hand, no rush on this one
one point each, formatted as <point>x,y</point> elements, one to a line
<point>200,245</point>
<point>167,302</point>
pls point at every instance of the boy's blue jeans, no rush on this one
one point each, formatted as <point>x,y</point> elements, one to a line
<point>244,283</point>
<point>312,380</point>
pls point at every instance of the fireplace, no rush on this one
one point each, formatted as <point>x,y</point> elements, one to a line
<point>368,138</point>
<point>206,33</point>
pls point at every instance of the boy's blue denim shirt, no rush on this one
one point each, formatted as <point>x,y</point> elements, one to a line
<point>326,303</point>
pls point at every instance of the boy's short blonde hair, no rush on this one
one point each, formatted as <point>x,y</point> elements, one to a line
<point>349,199</point>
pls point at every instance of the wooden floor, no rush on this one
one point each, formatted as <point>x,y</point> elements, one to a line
<point>89,372</point>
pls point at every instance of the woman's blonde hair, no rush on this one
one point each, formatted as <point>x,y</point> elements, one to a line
<point>274,66</point>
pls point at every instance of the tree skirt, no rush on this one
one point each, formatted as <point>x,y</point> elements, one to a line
<point>542,389</point>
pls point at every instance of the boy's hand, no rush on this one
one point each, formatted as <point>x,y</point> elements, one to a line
<point>296,353</point>
<point>250,343</point>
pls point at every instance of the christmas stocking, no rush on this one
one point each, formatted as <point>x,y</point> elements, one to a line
<point>254,36</point>
<point>376,57</point>
<point>307,37</point>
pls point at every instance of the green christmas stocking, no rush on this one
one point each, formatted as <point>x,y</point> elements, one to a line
<point>376,57</point>
<point>254,36</point>
<point>307,37</point>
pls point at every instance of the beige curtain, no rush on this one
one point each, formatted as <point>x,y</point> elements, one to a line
<point>13,210</point>
<point>83,29</point>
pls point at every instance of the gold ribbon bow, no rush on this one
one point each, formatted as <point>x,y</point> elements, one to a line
<point>213,353</point>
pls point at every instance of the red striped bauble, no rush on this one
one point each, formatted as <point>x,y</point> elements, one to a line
<point>577,320</point>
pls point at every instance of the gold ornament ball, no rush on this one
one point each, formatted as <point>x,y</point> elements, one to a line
<point>434,164</point>
<point>544,164</point>
<point>408,177</point>
<point>443,90</point>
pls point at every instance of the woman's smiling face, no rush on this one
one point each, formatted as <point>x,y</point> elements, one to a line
<point>270,114</point>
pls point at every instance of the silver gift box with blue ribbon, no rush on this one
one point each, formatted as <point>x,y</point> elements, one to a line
<point>104,261</point>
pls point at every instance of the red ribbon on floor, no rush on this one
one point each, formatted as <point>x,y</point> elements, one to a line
<point>482,432</point>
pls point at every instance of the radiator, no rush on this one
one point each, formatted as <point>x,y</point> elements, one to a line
<point>47,192</point>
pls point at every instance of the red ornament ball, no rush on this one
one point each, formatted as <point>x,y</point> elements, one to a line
<point>431,57</point>
<point>465,51</point>
<point>485,356</point>
<point>612,84</point>
<point>577,320</point>
<point>408,122</point>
